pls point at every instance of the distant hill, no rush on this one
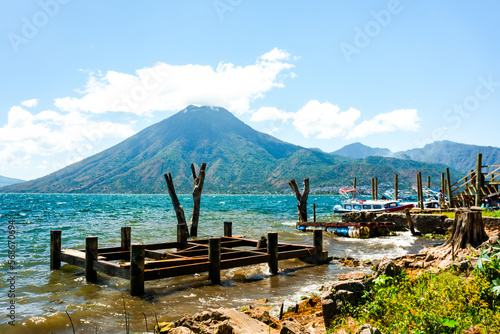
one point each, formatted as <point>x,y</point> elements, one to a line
<point>239,160</point>
<point>5,181</point>
<point>360,151</point>
<point>461,157</point>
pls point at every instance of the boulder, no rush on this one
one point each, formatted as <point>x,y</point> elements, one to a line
<point>399,220</point>
<point>358,217</point>
<point>388,268</point>
<point>427,223</point>
<point>292,327</point>
<point>180,330</point>
<point>337,295</point>
<point>221,321</point>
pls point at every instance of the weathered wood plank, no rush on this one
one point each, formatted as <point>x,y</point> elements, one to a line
<point>244,261</point>
<point>152,274</point>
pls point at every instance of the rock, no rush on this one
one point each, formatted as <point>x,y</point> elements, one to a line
<point>399,220</point>
<point>352,276</point>
<point>164,327</point>
<point>358,217</point>
<point>387,268</point>
<point>221,321</point>
<point>292,327</point>
<point>180,330</point>
<point>368,329</point>
<point>428,223</point>
<point>336,295</point>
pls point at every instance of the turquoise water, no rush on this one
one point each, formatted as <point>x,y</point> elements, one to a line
<point>42,297</point>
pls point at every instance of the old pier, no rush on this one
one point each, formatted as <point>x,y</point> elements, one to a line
<point>144,262</point>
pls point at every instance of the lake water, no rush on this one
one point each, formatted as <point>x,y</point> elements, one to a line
<point>42,297</point>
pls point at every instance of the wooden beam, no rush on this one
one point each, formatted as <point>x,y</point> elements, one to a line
<point>396,186</point>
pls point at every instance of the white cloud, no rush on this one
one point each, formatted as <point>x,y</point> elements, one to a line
<point>270,114</point>
<point>50,132</point>
<point>30,103</point>
<point>173,87</point>
<point>324,120</point>
<point>402,119</point>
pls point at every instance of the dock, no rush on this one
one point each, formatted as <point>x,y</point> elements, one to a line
<point>140,262</point>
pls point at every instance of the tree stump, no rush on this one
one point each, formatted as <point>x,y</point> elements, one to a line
<point>198,187</point>
<point>301,198</point>
<point>468,233</point>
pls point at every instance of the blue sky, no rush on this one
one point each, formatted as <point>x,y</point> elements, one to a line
<point>80,76</point>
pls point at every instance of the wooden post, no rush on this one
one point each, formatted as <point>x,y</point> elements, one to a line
<point>90,257</point>
<point>318,245</point>
<point>443,184</point>
<point>396,187</point>
<point>354,183</point>
<point>55,249</point>
<point>272,250</point>
<point>182,234</point>
<point>214,252</point>
<point>228,229</point>
<point>479,180</point>
<point>448,187</point>
<point>373,189</point>
<point>314,212</point>
<point>376,188</point>
<point>428,182</point>
<point>420,191</point>
<point>137,256</point>
<point>126,237</point>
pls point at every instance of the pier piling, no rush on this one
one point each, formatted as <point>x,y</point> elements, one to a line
<point>272,250</point>
<point>214,256</point>
<point>137,256</point>
<point>55,249</point>
<point>90,257</point>
<point>126,238</point>
<point>228,229</point>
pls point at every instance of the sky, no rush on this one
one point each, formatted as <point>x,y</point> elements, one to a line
<point>77,77</point>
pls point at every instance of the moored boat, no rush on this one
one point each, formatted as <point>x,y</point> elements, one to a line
<point>354,202</point>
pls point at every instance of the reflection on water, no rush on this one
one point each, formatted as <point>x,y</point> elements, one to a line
<point>43,297</point>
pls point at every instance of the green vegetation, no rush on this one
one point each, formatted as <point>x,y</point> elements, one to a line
<point>425,302</point>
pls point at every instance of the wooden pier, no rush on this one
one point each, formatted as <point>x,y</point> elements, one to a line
<point>144,262</point>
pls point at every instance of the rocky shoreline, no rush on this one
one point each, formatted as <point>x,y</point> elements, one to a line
<point>314,314</point>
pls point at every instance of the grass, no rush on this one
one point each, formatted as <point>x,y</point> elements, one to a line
<point>424,302</point>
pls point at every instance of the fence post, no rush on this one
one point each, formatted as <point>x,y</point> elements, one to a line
<point>479,180</point>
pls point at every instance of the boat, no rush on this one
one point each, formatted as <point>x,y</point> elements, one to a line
<point>354,202</point>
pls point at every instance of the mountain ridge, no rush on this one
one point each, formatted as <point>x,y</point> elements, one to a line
<point>239,160</point>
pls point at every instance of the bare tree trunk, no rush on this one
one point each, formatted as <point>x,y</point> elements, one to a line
<point>198,187</point>
<point>179,211</point>
<point>301,198</point>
